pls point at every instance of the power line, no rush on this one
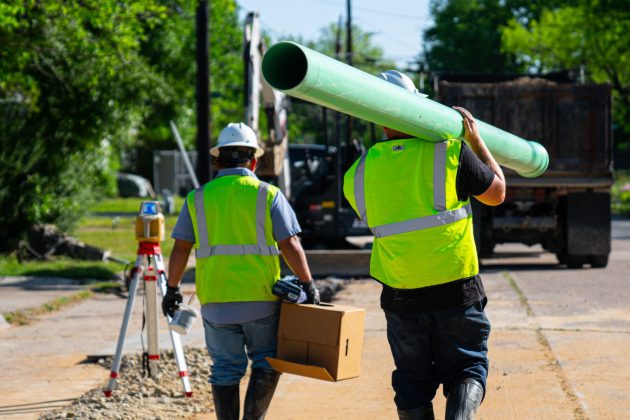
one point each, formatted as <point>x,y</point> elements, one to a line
<point>379,12</point>
<point>400,41</point>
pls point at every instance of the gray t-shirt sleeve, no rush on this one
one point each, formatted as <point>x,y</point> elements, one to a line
<point>183,229</point>
<point>283,218</point>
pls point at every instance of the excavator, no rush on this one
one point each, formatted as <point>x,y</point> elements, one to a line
<point>274,164</point>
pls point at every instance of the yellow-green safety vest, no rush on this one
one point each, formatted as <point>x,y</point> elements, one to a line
<point>237,256</point>
<point>405,190</point>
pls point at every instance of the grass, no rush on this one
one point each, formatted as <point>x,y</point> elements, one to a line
<point>120,237</point>
<point>117,233</point>
<point>99,229</point>
<point>59,267</point>
<point>127,205</point>
<point>26,316</point>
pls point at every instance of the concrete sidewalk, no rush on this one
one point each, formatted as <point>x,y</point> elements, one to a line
<point>26,292</point>
<point>518,366</point>
<point>42,363</point>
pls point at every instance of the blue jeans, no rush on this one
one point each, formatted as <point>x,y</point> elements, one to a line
<point>229,346</point>
<point>437,347</point>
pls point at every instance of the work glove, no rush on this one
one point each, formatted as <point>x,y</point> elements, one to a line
<point>312,294</point>
<point>171,301</point>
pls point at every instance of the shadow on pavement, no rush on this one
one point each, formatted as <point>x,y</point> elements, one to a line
<point>46,283</point>
<point>520,261</point>
<point>496,267</point>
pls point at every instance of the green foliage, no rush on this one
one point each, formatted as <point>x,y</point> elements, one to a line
<point>83,82</point>
<point>72,84</point>
<point>620,193</point>
<point>118,235</point>
<point>466,34</point>
<point>593,33</point>
<point>465,37</point>
<point>170,47</point>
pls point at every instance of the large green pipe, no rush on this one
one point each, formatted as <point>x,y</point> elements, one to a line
<point>314,77</point>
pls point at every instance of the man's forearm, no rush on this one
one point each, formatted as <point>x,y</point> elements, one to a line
<point>177,263</point>
<point>481,150</point>
<point>295,258</point>
<point>476,143</point>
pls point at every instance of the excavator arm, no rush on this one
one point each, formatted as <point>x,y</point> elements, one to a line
<point>274,164</point>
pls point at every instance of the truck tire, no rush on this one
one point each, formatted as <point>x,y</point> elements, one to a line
<point>599,261</point>
<point>561,258</point>
<point>575,261</point>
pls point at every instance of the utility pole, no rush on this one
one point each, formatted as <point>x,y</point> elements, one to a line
<point>419,71</point>
<point>338,56</point>
<point>203,93</point>
<point>338,168</point>
<point>325,126</point>
<point>349,61</point>
<point>349,32</point>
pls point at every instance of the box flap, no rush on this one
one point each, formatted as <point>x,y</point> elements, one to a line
<point>315,372</point>
<point>311,323</point>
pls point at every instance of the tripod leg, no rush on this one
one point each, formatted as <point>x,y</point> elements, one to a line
<point>137,271</point>
<point>175,338</point>
<point>150,280</point>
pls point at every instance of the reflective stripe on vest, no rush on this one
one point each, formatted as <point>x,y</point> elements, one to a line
<point>260,248</point>
<point>444,217</point>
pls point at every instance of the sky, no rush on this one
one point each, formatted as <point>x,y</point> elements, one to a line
<point>397,24</point>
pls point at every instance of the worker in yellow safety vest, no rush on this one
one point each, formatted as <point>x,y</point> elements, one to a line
<point>414,196</point>
<point>237,224</point>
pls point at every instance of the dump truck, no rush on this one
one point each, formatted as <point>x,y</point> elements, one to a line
<point>567,209</point>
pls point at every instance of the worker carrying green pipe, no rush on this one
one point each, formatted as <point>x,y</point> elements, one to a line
<point>415,197</point>
<point>237,224</point>
<point>306,74</point>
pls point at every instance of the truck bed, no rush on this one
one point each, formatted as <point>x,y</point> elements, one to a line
<point>571,121</point>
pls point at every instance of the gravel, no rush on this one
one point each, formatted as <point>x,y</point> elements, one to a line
<point>329,287</point>
<point>139,397</point>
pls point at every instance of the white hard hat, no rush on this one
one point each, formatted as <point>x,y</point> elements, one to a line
<point>400,80</point>
<point>237,135</point>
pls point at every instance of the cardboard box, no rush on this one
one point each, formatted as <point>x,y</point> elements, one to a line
<point>320,341</point>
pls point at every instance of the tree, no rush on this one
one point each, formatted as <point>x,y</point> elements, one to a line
<point>170,49</point>
<point>72,82</point>
<point>82,81</point>
<point>592,34</point>
<point>466,35</point>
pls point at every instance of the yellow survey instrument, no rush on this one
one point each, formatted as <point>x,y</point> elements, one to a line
<point>150,223</point>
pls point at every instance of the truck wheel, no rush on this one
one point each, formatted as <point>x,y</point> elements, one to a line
<point>599,261</point>
<point>487,249</point>
<point>575,261</point>
<point>562,257</point>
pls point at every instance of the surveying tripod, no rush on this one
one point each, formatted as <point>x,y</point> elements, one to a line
<point>150,265</point>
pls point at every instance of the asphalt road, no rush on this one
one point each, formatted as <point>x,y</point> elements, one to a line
<point>559,346</point>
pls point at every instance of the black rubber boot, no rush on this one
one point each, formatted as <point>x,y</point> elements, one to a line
<point>262,385</point>
<point>226,401</point>
<point>463,400</point>
<point>420,413</point>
